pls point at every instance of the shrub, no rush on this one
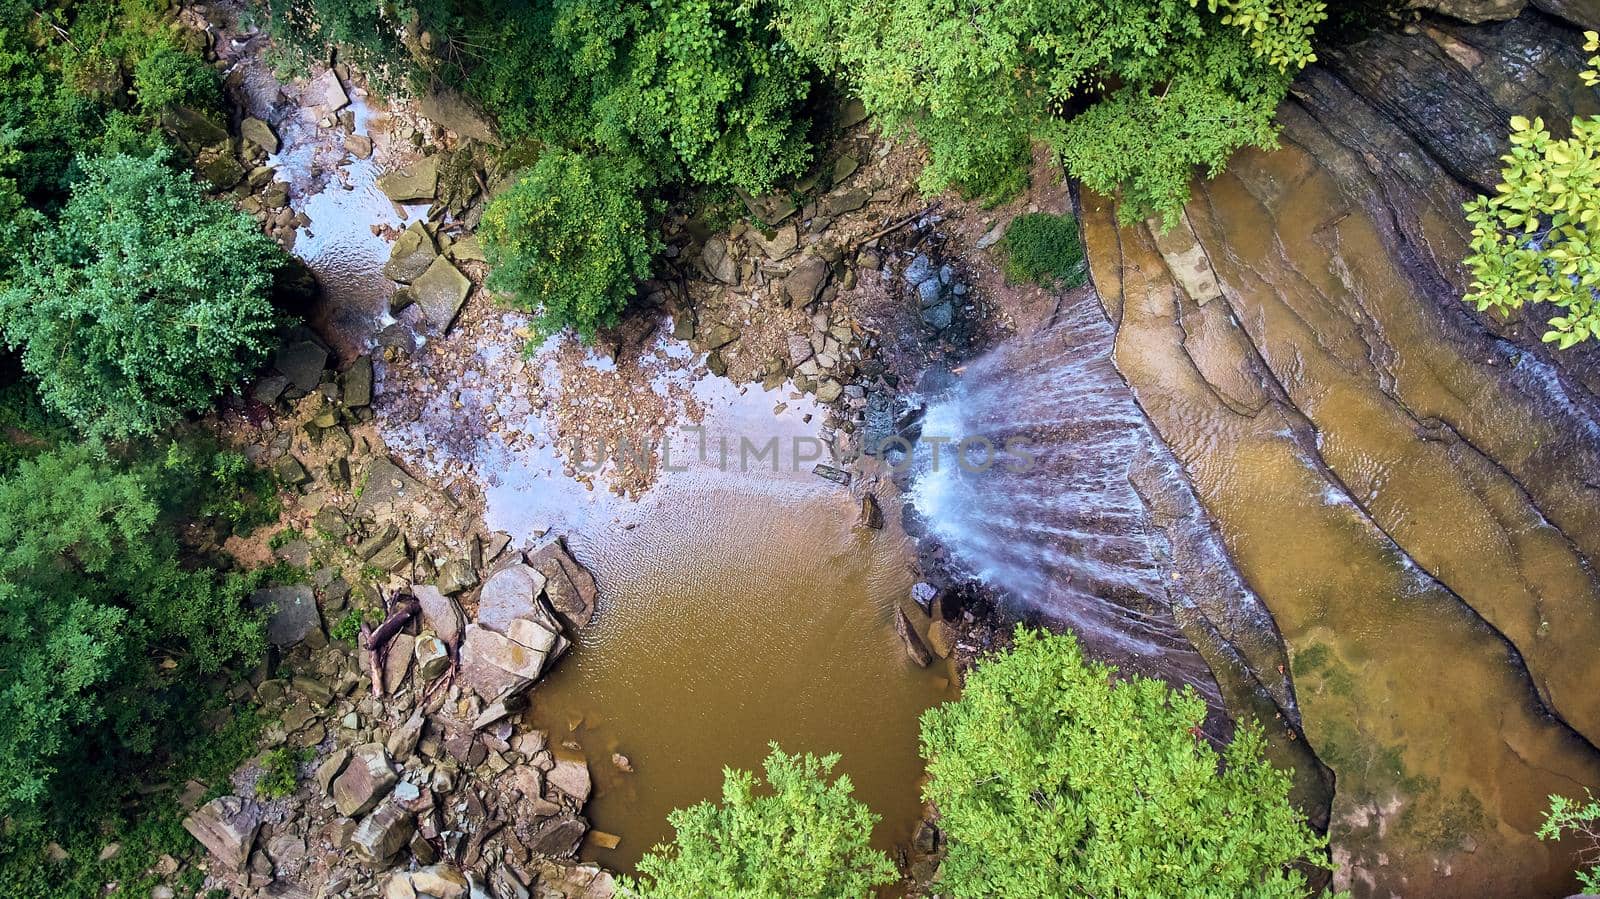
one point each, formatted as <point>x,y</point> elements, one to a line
<point>1581,820</point>
<point>170,76</point>
<point>106,637</point>
<point>807,839</point>
<point>1044,249</point>
<point>143,301</point>
<point>1132,97</point>
<point>280,772</point>
<point>570,240</point>
<point>1531,240</point>
<point>1054,778</point>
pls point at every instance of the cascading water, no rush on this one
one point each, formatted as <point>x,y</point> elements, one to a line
<point>1087,521</point>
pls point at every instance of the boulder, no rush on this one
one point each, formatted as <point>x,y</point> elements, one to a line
<point>397,662</point>
<point>440,882</point>
<point>840,202</point>
<point>871,512</point>
<point>301,362</point>
<point>720,335</point>
<point>495,666</point>
<point>844,167</point>
<point>512,592</point>
<point>535,635</point>
<point>941,638</point>
<point>330,769</point>
<point>804,284</point>
<point>569,586</point>
<point>916,650</point>
<point>193,128</point>
<point>356,382</point>
<point>383,833</point>
<point>456,576</point>
<point>939,317</point>
<point>386,487</point>
<point>219,166</point>
<point>441,291</point>
<point>432,658</point>
<point>452,110</point>
<point>559,837</point>
<point>413,252</point>
<point>467,249</point>
<point>359,146</point>
<point>291,612</point>
<point>781,245</point>
<point>852,113</point>
<point>366,779</point>
<point>440,612</point>
<point>416,182</point>
<point>325,95</point>
<point>227,827</point>
<point>799,350</point>
<point>1475,11</point>
<point>571,777</point>
<point>718,262</point>
<point>259,133</point>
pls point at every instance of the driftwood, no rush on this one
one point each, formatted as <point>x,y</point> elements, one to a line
<point>398,616</point>
<point>896,226</point>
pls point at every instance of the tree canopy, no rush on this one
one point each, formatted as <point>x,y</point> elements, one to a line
<point>805,839</point>
<point>143,301</point>
<point>1055,777</point>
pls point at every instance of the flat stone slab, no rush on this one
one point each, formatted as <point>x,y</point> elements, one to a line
<point>416,182</point>
<point>291,613</point>
<point>259,133</point>
<point>510,593</point>
<point>441,612</point>
<point>325,94</point>
<point>411,254</point>
<point>569,586</point>
<point>301,362</point>
<point>441,291</point>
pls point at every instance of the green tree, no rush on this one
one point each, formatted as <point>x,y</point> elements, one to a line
<point>806,839</point>
<point>1580,820</point>
<point>106,637</point>
<point>1133,96</point>
<point>143,301</point>
<point>570,240</point>
<point>1053,777</point>
<point>1044,249</point>
<point>1532,241</point>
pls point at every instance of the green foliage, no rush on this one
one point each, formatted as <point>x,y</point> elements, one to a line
<point>107,638</point>
<point>143,301</point>
<point>806,839</point>
<point>1133,96</point>
<point>1582,820</point>
<point>1054,778</point>
<point>1044,249</point>
<point>1532,241</point>
<point>280,771</point>
<point>569,240</point>
<point>347,628</point>
<point>222,485</point>
<point>170,76</point>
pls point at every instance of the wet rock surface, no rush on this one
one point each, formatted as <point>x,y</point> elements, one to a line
<point>1400,480</point>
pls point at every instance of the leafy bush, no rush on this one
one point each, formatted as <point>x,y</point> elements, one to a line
<point>1132,96</point>
<point>1531,240</point>
<point>143,301</point>
<point>570,240</point>
<point>808,839</point>
<point>1044,249</point>
<point>280,771</point>
<point>106,637</point>
<point>1054,778</point>
<point>1581,820</point>
<point>170,76</point>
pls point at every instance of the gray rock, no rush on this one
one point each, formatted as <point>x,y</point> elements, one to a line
<point>288,470</point>
<point>559,837</point>
<point>769,210</point>
<point>852,113</point>
<point>719,336</point>
<point>804,284</point>
<point>991,236</point>
<point>441,291</point>
<point>227,827</point>
<point>930,293</point>
<point>402,742</point>
<point>799,349</point>
<point>939,317</point>
<point>385,488</point>
<point>571,777</point>
<point>456,576</point>
<point>291,613</point>
<point>920,269</point>
<point>836,475</point>
<point>397,662</point>
<point>916,650</point>
<point>512,592</point>
<point>455,112</point>
<point>366,779</point>
<point>441,613</point>
<point>193,128</point>
<point>718,262</point>
<point>383,833</point>
<point>498,711</point>
<point>413,252</point>
<point>325,94</point>
<point>829,390</point>
<point>432,658</point>
<point>840,202</point>
<point>467,249</point>
<point>359,146</point>
<point>495,666</point>
<point>301,362</point>
<point>416,182</point>
<point>357,383</point>
<point>267,390</point>
<point>871,512</point>
<point>259,133</point>
<point>440,882</point>
<point>330,769</point>
<point>781,245</point>
<point>844,167</point>
<point>570,587</point>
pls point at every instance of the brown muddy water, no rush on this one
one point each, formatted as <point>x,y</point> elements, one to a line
<point>740,604</point>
